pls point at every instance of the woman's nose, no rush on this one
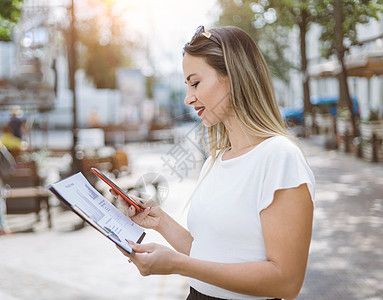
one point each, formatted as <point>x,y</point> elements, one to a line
<point>189,99</point>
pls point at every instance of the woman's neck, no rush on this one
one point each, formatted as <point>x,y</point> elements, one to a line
<point>240,139</point>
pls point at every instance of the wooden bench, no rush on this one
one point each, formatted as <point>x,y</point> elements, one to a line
<point>23,200</point>
<point>23,192</point>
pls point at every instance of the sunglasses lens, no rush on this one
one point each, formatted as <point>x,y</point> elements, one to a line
<point>199,30</point>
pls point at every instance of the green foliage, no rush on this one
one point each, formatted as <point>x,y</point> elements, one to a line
<point>290,12</point>
<point>344,113</point>
<point>374,115</point>
<point>104,44</point>
<point>10,11</point>
<point>149,86</point>
<point>354,12</point>
<point>258,19</point>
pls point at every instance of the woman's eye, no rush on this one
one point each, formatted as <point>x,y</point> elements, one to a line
<point>195,84</point>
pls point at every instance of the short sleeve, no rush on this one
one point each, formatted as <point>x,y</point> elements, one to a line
<point>286,167</point>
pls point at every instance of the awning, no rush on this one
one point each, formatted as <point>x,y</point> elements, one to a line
<point>292,113</point>
<point>324,70</point>
<point>366,64</point>
<point>331,101</point>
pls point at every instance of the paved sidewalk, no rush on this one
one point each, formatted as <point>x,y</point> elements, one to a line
<point>345,256</point>
<point>66,264</point>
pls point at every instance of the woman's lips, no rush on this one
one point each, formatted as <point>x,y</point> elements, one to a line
<point>200,110</point>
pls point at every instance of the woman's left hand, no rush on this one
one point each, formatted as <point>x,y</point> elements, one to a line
<point>153,258</point>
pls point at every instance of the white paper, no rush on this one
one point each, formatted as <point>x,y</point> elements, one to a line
<point>78,192</point>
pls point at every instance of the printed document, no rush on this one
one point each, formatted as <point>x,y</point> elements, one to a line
<point>94,208</point>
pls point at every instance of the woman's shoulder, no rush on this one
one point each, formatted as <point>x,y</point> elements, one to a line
<point>279,149</point>
<point>280,143</point>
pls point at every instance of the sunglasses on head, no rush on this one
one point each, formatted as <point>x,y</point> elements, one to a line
<point>201,31</point>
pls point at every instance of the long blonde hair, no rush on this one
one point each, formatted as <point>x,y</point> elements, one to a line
<point>251,90</point>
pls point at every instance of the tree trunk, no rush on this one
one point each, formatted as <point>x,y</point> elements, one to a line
<point>307,107</point>
<point>346,92</point>
<point>72,84</point>
<point>340,50</point>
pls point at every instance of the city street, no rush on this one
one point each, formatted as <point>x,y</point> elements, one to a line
<point>125,87</point>
<point>345,255</point>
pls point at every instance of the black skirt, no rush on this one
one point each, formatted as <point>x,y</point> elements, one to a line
<point>195,295</point>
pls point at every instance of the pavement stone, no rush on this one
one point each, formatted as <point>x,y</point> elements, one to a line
<point>345,259</point>
<point>346,252</point>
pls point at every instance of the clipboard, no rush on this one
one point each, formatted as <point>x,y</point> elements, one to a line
<point>77,194</point>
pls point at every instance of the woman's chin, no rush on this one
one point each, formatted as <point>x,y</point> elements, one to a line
<point>207,123</point>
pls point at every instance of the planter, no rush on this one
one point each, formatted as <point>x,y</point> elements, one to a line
<point>344,139</point>
<point>368,128</point>
<point>343,125</point>
<point>311,127</point>
<point>372,140</point>
<point>325,123</point>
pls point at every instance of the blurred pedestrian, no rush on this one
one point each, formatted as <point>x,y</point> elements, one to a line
<point>250,217</point>
<point>93,120</point>
<point>9,140</point>
<point>17,122</point>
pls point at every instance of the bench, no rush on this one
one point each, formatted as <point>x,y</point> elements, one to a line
<point>23,193</point>
<point>24,200</point>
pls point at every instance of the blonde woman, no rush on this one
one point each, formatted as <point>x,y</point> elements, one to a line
<point>250,218</point>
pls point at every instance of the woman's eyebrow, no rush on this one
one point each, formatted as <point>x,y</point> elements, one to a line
<point>188,78</point>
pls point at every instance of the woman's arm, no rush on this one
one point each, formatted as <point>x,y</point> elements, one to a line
<point>287,225</point>
<point>176,235</point>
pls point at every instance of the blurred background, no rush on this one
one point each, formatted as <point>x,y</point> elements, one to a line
<point>99,83</point>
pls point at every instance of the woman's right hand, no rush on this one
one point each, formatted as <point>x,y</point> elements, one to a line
<point>150,218</point>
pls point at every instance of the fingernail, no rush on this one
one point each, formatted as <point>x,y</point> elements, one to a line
<point>130,242</point>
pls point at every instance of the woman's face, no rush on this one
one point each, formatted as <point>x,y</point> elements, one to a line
<point>207,92</point>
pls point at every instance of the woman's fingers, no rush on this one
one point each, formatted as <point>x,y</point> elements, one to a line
<point>139,201</point>
<point>139,217</point>
<point>121,199</point>
<point>153,258</point>
<point>131,211</point>
<point>142,248</point>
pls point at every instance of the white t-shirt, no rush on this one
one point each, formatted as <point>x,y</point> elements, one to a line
<point>224,215</point>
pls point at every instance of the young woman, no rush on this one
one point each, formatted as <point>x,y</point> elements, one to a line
<point>250,218</point>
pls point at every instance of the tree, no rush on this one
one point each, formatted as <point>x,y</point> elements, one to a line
<point>301,14</point>
<point>10,11</point>
<point>339,20</point>
<point>258,19</point>
<point>101,32</point>
<point>288,14</point>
